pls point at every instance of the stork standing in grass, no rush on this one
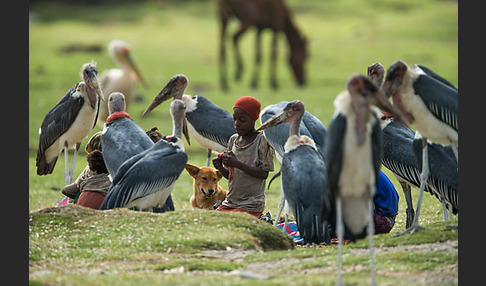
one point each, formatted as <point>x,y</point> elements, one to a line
<point>431,105</point>
<point>276,136</point>
<point>303,175</point>
<point>352,154</point>
<point>147,179</point>
<point>210,125</point>
<point>399,156</point>
<point>68,123</point>
<point>123,79</point>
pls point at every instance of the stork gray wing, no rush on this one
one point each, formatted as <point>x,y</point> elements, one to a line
<point>398,154</point>
<point>433,74</point>
<point>58,120</point>
<point>304,184</point>
<point>333,151</point>
<point>121,139</point>
<point>439,98</point>
<point>143,174</point>
<point>211,121</point>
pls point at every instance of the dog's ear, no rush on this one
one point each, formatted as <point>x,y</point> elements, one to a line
<point>219,174</point>
<point>192,169</point>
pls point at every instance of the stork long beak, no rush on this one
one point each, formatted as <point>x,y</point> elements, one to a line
<point>131,64</point>
<point>90,77</point>
<point>173,89</point>
<point>381,101</point>
<point>275,120</point>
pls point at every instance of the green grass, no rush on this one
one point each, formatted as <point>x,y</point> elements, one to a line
<point>78,246</point>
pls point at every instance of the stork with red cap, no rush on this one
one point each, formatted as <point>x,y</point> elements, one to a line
<point>146,180</point>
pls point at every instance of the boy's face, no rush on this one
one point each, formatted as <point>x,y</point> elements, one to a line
<point>242,122</point>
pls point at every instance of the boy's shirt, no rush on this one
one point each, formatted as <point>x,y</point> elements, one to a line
<point>245,191</point>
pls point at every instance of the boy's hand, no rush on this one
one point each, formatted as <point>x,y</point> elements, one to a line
<point>229,159</point>
<point>218,162</point>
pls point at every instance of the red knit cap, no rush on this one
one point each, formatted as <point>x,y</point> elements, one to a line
<point>250,105</point>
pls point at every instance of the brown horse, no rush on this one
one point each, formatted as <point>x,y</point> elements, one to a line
<point>261,14</point>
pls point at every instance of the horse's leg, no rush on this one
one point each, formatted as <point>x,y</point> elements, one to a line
<point>239,62</point>
<point>273,62</point>
<point>258,59</point>
<point>222,54</point>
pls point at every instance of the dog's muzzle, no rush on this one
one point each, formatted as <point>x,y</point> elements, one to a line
<point>209,193</point>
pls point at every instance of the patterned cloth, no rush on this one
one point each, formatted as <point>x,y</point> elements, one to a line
<point>292,230</point>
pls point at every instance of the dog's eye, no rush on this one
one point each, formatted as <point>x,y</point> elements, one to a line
<point>204,178</point>
<point>214,179</point>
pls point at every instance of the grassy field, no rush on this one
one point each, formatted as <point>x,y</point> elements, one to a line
<point>171,37</point>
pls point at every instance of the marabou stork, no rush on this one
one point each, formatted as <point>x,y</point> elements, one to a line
<point>430,105</point>
<point>68,123</point>
<point>147,179</point>
<point>210,125</point>
<point>277,136</point>
<point>352,154</point>
<point>303,175</point>
<point>399,156</point>
<point>123,79</point>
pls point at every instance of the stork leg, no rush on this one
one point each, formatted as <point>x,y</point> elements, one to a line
<point>340,235</point>
<point>73,163</point>
<point>281,203</point>
<point>408,198</point>
<point>371,232</point>
<point>67,179</point>
<point>287,212</point>
<point>445,211</point>
<point>449,207</point>
<point>208,158</point>
<point>423,178</point>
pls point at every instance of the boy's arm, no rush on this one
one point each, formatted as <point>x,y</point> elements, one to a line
<point>230,160</point>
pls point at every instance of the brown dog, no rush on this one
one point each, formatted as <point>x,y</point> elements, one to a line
<point>206,189</point>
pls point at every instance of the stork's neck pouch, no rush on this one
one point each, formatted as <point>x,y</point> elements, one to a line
<point>117,115</point>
